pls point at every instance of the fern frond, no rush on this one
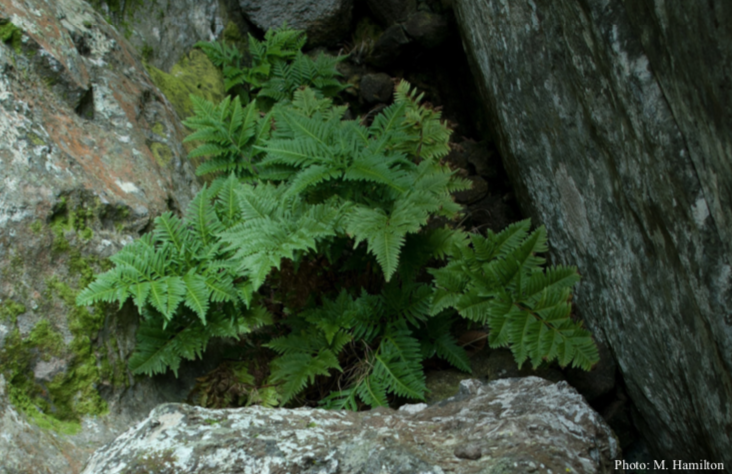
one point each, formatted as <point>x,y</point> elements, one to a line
<point>297,370</point>
<point>158,350</point>
<point>197,294</point>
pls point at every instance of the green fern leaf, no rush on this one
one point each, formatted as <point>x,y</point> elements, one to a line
<point>297,370</point>
<point>196,296</point>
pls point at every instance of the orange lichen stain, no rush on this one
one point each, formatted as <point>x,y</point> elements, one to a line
<point>66,134</point>
<point>128,91</point>
<point>69,137</point>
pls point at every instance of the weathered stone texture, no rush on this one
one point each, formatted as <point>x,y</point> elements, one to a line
<point>165,31</point>
<point>511,425</point>
<point>90,153</point>
<point>24,447</point>
<point>613,121</point>
<point>324,21</point>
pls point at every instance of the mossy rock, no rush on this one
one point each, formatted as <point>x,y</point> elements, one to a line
<point>193,74</point>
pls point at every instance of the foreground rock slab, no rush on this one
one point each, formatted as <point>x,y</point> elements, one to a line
<point>511,425</point>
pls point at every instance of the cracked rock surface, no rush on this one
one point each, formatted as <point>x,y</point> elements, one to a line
<point>510,425</point>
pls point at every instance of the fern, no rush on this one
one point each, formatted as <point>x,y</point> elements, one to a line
<point>498,280</point>
<point>179,277</point>
<point>392,194</point>
<point>278,67</point>
<point>296,185</point>
<point>275,225</point>
<point>230,135</point>
<point>393,355</point>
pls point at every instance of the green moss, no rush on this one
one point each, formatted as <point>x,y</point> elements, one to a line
<point>10,310</point>
<point>36,227</point>
<point>10,34</point>
<point>61,403</point>
<point>162,153</point>
<point>193,74</point>
<point>35,139</point>
<point>232,34</point>
<point>159,130</point>
<point>46,406</point>
<point>75,219</point>
<point>77,394</point>
<point>46,339</point>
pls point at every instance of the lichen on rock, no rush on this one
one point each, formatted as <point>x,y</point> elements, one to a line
<point>80,123</point>
<point>516,423</point>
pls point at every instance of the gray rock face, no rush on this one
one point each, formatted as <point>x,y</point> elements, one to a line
<point>165,31</point>
<point>24,447</point>
<point>428,29</point>
<point>324,21</point>
<point>377,88</point>
<point>392,11</point>
<point>389,46</point>
<point>512,425</point>
<point>613,119</point>
<point>90,153</point>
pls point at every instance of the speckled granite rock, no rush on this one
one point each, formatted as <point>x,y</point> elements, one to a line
<point>511,425</point>
<point>613,121</point>
<point>90,153</point>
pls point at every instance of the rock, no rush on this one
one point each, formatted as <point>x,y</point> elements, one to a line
<point>617,139</point>
<point>90,154</point>
<point>324,21</point>
<point>515,424</point>
<point>427,29</point>
<point>376,88</point>
<point>389,12</point>
<point>389,46</point>
<point>165,31</point>
<point>29,448</point>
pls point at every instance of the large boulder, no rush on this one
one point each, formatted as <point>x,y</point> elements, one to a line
<point>511,425</point>
<point>613,121</point>
<point>324,21</point>
<point>90,153</point>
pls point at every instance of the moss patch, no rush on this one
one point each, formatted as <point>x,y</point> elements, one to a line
<point>9,311</point>
<point>159,130</point>
<point>10,34</point>
<point>35,139</point>
<point>193,74</point>
<point>36,227</point>
<point>77,219</point>
<point>60,403</point>
<point>162,153</point>
<point>38,402</point>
